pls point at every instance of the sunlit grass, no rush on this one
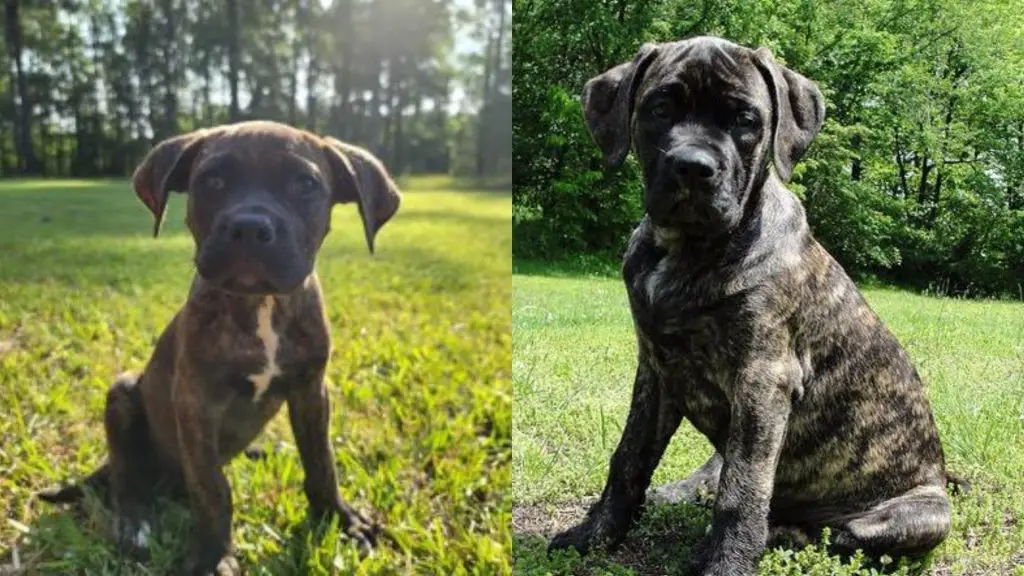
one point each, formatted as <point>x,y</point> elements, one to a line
<point>574,358</point>
<point>419,380</point>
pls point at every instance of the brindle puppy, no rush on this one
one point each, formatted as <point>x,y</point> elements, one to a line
<point>749,328</point>
<point>251,336</point>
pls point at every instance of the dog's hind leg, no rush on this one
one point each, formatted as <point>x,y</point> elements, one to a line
<point>689,489</point>
<point>133,470</point>
<point>98,482</point>
<point>908,525</point>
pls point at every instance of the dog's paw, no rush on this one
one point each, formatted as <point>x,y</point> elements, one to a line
<point>704,562</point>
<point>132,536</point>
<point>577,537</point>
<point>226,566</point>
<point>360,529</point>
<point>700,556</point>
<point>582,537</point>
<point>61,494</point>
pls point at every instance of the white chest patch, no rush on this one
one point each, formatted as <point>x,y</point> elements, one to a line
<point>265,332</point>
<point>141,539</point>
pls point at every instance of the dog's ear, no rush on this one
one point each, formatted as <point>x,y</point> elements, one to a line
<point>608,105</point>
<point>167,168</point>
<point>358,176</point>
<point>798,111</point>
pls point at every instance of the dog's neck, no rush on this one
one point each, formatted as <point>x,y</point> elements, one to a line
<point>208,295</point>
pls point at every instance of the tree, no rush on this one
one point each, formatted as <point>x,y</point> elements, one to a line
<point>916,177</point>
<point>92,84</point>
<point>23,123</point>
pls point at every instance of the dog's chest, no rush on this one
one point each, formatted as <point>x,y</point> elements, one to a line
<point>686,337</point>
<point>270,341</point>
<point>261,350</point>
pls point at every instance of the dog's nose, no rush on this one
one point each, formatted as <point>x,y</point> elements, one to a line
<point>251,229</point>
<point>693,164</point>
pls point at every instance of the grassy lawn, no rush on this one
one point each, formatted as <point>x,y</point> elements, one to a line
<point>420,380</point>
<point>573,364</point>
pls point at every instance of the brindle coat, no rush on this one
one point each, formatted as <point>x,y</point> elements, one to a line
<point>747,327</point>
<point>251,336</point>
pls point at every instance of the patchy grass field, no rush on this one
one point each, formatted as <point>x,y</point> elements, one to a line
<point>419,380</point>
<point>574,358</point>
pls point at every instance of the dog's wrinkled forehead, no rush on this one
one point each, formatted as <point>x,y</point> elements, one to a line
<point>258,147</point>
<point>705,66</point>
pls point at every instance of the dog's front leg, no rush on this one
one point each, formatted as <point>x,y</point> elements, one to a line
<point>208,490</point>
<point>310,415</point>
<point>653,419</point>
<point>760,408</point>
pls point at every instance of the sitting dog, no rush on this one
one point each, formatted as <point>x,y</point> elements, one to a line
<point>747,326</point>
<point>251,335</point>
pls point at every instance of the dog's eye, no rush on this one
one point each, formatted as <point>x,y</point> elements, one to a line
<point>213,182</point>
<point>661,110</point>
<point>747,119</point>
<point>307,182</point>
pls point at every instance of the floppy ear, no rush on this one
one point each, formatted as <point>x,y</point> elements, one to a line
<point>608,105</point>
<point>798,111</point>
<point>358,176</point>
<point>166,168</point>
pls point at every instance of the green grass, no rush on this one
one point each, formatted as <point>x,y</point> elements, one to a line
<point>419,379</point>
<point>573,364</point>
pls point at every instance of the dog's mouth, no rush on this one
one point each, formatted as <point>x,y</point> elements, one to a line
<point>248,275</point>
<point>248,283</point>
<point>695,209</point>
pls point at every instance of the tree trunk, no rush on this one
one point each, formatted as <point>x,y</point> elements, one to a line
<point>387,133</point>
<point>343,71</point>
<point>312,77</point>
<point>207,90</point>
<point>856,167</point>
<point>23,121</point>
<point>399,137</point>
<point>922,185</point>
<point>374,115</point>
<point>484,112</point>
<point>170,121</point>
<point>293,80</point>
<point>234,58</point>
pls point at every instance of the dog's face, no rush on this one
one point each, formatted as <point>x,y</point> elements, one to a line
<point>705,117</point>
<point>260,198</point>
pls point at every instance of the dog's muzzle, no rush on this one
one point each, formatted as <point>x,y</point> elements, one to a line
<point>250,251</point>
<point>689,184</point>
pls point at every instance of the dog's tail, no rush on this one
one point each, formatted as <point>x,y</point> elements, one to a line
<point>97,482</point>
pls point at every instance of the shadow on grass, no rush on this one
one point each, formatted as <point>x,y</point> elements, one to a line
<point>530,258</point>
<point>456,217</point>
<point>662,542</point>
<point>110,264</point>
<point>72,538</point>
<point>584,266</point>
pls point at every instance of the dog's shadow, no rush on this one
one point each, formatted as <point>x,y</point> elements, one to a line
<point>78,538</point>
<point>662,542</point>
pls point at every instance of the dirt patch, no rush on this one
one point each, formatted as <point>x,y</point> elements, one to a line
<point>546,520</point>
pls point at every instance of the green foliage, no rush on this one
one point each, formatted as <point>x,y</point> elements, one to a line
<point>918,175</point>
<point>582,209</point>
<point>419,379</point>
